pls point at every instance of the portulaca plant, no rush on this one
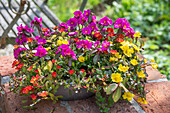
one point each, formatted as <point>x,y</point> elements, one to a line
<point>101,56</point>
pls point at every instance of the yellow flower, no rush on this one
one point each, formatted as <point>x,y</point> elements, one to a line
<point>54,36</point>
<point>152,60</point>
<point>141,100</point>
<point>141,74</point>
<point>48,48</point>
<point>145,61</point>
<point>117,55</point>
<point>60,38</point>
<point>127,51</point>
<point>112,59</point>
<point>134,62</point>
<point>137,34</point>
<point>136,48</point>
<point>81,59</point>
<point>65,42</point>
<point>116,77</point>
<point>128,96</point>
<point>59,42</point>
<point>123,68</point>
<point>154,66</point>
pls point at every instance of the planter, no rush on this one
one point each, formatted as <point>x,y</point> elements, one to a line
<point>69,94</point>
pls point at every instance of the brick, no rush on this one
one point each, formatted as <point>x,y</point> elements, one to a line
<point>153,74</point>
<point>158,96</point>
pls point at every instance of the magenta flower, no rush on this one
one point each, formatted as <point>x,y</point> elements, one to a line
<point>82,20</point>
<point>20,28</point>
<point>21,38</point>
<point>72,22</point>
<point>93,26</point>
<point>36,38</point>
<point>26,28</point>
<point>41,51</point>
<point>41,41</point>
<point>105,45</point>
<point>18,51</point>
<point>72,33</point>
<point>121,23</point>
<point>80,43</point>
<point>86,13</point>
<point>78,14</point>
<point>105,21</point>
<point>94,19</point>
<point>96,43</point>
<point>129,32</point>
<point>65,50</point>
<point>84,43</point>
<point>86,30</point>
<point>36,21</point>
<point>87,44</point>
<point>63,25</point>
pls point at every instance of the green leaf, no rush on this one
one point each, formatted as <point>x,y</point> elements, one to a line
<point>111,88</point>
<point>117,94</point>
<point>70,62</point>
<point>125,81</point>
<point>110,100</point>
<point>96,58</point>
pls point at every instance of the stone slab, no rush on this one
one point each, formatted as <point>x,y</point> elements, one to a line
<point>158,97</point>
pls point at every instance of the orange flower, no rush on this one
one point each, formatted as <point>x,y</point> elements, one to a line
<point>71,72</point>
<point>82,70</point>
<point>34,79</point>
<point>61,30</point>
<point>36,71</point>
<point>44,29</point>
<point>120,40</point>
<point>33,97</point>
<point>43,94</point>
<point>55,28</point>
<point>96,35</point>
<point>15,63</point>
<point>75,39</point>
<point>53,61</point>
<point>110,30</point>
<point>99,37</point>
<point>58,67</point>
<point>26,89</point>
<point>113,51</point>
<point>29,69</point>
<point>16,46</point>
<point>29,40</point>
<point>54,74</point>
<point>19,66</point>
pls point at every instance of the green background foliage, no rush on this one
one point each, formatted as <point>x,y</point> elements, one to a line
<point>150,17</point>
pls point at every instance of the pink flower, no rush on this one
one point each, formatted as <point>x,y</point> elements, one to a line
<point>86,13</point>
<point>72,22</point>
<point>78,14</point>
<point>105,21</point>
<point>121,23</point>
<point>86,30</point>
<point>105,45</point>
<point>40,51</point>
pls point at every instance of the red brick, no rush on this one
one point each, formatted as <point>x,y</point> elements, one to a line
<point>158,97</point>
<point>153,74</point>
